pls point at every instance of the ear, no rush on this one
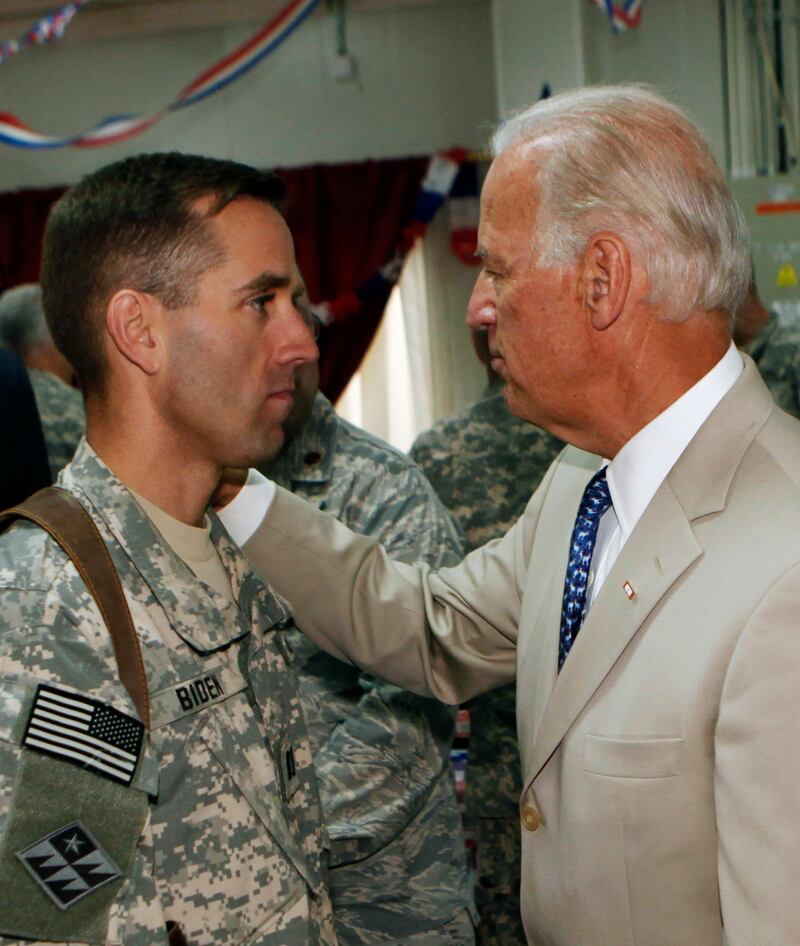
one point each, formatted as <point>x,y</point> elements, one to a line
<point>606,279</point>
<point>133,322</point>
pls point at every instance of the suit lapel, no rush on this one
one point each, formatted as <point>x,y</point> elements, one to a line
<point>660,549</point>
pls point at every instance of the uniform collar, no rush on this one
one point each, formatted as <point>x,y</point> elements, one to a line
<point>184,599</point>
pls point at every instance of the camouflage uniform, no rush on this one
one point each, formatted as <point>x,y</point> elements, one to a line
<point>484,463</point>
<point>398,867</point>
<point>776,351</point>
<point>220,827</point>
<point>62,416</point>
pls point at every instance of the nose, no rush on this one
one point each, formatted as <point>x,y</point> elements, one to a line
<point>481,311</point>
<point>297,344</point>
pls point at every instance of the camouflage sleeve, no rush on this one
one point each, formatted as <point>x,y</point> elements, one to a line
<point>76,860</point>
<point>410,521</point>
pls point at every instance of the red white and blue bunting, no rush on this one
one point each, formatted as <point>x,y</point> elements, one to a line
<point>46,29</point>
<point>436,187</point>
<point>623,15</point>
<point>119,128</point>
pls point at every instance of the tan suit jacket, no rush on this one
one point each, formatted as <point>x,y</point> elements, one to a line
<point>662,766</point>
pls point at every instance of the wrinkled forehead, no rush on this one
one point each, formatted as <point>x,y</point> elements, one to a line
<point>510,195</point>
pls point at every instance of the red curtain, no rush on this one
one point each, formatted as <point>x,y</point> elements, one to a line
<point>23,215</point>
<point>345,218</point>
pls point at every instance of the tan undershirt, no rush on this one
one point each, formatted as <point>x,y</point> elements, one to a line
<point>192,544</point>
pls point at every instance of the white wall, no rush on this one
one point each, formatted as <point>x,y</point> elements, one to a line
<point>676,49</point>
<point>425,81</point>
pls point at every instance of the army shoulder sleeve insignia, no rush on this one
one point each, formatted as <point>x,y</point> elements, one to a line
<point>85,732</point>
<point>68,864</point>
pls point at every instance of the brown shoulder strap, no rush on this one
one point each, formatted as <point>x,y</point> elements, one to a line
<point>59,513</point>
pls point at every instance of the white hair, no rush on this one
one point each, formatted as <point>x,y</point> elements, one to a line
<point>22,322</point>
<point>622,158</point>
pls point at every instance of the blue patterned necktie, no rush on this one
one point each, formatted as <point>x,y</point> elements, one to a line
<point>596,500</point>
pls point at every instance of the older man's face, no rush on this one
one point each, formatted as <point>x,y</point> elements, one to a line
<point>537,332</point>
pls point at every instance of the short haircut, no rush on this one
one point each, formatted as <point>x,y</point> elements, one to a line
<point>622,158</point>
<point>22,324</point>
<point>135,224</point>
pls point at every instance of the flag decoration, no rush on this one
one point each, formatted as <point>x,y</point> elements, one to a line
<point>623,14</point>
<point>436,186</point>
<point>117,128</point>
<point>463,208</point>
<point>80,730</point>
<point>46,29</point>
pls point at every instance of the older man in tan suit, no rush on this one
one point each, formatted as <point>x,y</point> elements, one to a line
<point>648,600</point>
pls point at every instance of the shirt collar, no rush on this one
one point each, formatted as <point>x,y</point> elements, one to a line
<point>642,465</point>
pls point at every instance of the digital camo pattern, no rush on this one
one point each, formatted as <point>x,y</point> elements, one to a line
<point>485,464</point>
<point>61,413</point>
<point>382,755</point>
<point>776,351</point>
<point>220,829</point>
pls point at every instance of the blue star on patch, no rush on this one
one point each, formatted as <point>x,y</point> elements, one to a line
<point>68,864</point>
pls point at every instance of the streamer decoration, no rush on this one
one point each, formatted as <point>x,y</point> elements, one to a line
<point>45,30</point>
<point>117,128</point>
<point>625,15</point>
<point>436,187</point>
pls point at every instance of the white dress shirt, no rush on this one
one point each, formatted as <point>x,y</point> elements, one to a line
<point>642,465</point>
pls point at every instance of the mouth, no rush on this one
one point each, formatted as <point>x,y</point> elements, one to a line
<point>283,394</point>
<point>282,401</point>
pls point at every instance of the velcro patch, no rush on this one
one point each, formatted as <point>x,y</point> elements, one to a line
<point>68,864</point>
<point>85,732</point>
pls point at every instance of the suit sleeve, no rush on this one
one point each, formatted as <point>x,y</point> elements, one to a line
<point>758,773</point>
<point>450,634</point>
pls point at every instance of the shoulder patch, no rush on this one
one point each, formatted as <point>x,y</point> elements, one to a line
<point>68,864</point>
<point>85,732</point>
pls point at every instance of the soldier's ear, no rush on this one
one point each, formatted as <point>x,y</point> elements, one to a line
<point>606,279</point>
<point>133,322</point>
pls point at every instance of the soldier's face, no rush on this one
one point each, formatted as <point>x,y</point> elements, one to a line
<point>537,335</point>
<point>228,382</point>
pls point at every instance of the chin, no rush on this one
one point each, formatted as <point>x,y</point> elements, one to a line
<point>257,452</point>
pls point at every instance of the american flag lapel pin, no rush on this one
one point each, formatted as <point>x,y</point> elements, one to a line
<point>628,589</point>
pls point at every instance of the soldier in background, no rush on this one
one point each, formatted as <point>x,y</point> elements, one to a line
<point>398,865</point>
<point>24,330</point>
<point>773,346</point>
<point>485,464</point>
<point>169,282</point>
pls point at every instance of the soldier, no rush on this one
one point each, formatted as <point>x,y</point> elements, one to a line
<point>23,329</point>
<point>169,282</point>
<point>774,346</point>
<point>398,865</point>
<point>484,464</point>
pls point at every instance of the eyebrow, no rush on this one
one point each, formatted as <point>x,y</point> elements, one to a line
<point>266,281</point>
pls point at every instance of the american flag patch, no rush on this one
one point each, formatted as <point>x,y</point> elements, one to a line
<point>85,732</point>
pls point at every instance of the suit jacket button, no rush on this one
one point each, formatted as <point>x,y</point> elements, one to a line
<point>531,819</point>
